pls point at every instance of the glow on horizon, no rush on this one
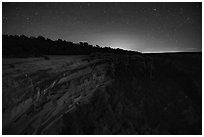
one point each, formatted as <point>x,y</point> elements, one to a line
<point>169,51</point>
<point>130,26</point>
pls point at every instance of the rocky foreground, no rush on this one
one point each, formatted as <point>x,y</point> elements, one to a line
<point>101,94</point>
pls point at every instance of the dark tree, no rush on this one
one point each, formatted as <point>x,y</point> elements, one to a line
<point>23,46</point>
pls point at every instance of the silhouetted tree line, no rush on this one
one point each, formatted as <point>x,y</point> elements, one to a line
<point>23,46</point>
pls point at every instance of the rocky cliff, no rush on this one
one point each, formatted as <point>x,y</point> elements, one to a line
<point>95,94</point>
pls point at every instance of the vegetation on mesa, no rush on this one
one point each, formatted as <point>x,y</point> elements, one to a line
<point>22,46</point>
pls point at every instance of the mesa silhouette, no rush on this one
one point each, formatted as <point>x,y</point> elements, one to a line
<point>60,87</point>
<point>23,46</point>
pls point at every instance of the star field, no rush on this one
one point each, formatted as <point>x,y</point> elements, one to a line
<point>145,27</point>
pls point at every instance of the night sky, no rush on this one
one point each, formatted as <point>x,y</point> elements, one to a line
<point>145,27</point>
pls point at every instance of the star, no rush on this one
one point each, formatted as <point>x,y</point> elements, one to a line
<point>27,20</point>
<point>154,9</point>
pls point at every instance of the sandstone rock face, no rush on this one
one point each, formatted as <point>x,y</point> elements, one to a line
<point>44,100</point>
<point>102,94</point>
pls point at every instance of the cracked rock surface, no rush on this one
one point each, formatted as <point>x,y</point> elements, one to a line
<point>102,94</point>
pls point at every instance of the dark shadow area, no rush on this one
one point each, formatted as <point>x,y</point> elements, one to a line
<point>23,46</point>
<point>101,91</point>
<point>171,103</point>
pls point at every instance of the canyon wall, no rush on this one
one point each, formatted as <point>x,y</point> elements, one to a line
<point>102,94</point>
<point>45,101</point>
